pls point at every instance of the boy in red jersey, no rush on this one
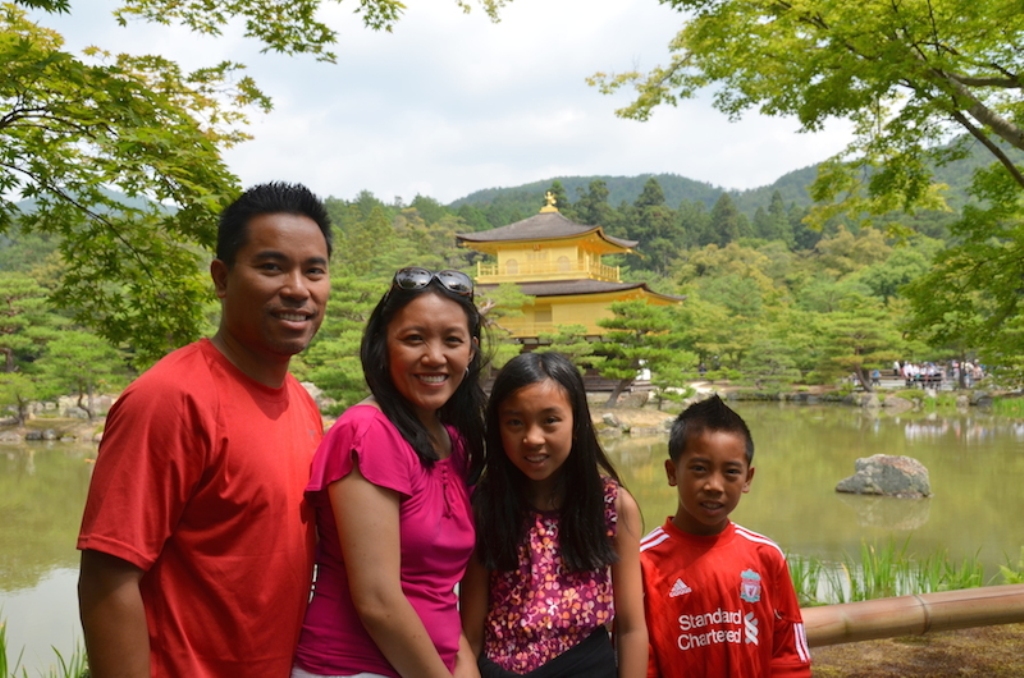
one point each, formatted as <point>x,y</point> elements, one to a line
<point>718,598</point>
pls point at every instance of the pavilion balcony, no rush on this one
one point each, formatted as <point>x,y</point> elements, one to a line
<point>543,271</point>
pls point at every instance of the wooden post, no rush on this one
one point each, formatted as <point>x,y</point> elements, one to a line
<point>914,615</point>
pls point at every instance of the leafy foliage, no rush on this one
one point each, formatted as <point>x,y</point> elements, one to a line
<point>909,76</point>
<point>637,338</point>
<point>76,128</point>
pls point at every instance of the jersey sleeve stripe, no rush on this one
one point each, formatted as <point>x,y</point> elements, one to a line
<point>802,650</point>
<point>653,539</point>
<point>758,539</point>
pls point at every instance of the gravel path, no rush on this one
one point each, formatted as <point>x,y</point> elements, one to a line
<point>986,652</point>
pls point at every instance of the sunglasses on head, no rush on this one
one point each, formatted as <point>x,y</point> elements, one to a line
<point>415,278</point>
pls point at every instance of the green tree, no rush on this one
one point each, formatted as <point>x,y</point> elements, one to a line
<point>885,279</point>
<point>592,206</point>
<point>17,391</point>
<point>572,342</point>
<point>907,74</point>
<point>637,337</point>
<point>776,225</point>
<point>365,242</point>
<point>74,128</point>
<point>25,320</point>
<point>770,365</point>
<point>651,195</point>
<point>857,339</point>
<point>970,298</point>
<point>694,223</point>
<point>726,224</point>
<point>82,364</point>
<point>429,209</point>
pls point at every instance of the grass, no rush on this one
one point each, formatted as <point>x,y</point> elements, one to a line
<point>73,667</point>
<point>875,572</point>
<point>1013,575</point>
<point>1008,406</point>
<point>884,572</point>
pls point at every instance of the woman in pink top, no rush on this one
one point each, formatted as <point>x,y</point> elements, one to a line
<point>389,484</point>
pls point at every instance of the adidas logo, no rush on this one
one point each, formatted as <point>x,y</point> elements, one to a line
<point>678,589</point>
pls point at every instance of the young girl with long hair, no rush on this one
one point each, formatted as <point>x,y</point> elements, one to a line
<point>389,486</point>
<point>557,558</point>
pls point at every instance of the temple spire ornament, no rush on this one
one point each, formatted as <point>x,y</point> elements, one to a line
<point>549,197</point>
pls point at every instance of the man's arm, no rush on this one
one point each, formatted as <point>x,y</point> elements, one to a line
<point>113,618</point>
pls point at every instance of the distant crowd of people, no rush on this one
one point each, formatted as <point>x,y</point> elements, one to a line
<point>929,374</point>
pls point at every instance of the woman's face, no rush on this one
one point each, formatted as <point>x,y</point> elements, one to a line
<point>429,349</point>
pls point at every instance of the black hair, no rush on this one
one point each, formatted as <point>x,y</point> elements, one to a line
<point>500,500</point>
<point>276,197</point>
<point>707,415</point>
<point>464,410</point>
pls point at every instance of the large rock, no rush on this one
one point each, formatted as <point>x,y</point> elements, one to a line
<point>888,475</point>
<point>611,420</point>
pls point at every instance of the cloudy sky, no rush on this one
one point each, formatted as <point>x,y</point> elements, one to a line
<point>451,103</point>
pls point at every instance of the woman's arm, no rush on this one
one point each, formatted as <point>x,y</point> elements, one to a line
<point>367,516</point>
<point>627,588</point>
<point>465,661</point>
<point>473,597</point>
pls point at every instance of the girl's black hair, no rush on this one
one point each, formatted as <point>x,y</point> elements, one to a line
<point>500,503</point>
<point>464,410</point>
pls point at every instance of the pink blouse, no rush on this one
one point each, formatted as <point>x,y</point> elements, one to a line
<point>540,609</point>
<point>436,540</point>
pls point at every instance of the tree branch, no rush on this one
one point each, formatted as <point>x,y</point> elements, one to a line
<point>1010,82</point>
<point>990,145</point>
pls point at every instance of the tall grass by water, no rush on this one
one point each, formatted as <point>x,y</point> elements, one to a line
<point>1008,406</point>
<point>887,571</point>
<point>71,667</point>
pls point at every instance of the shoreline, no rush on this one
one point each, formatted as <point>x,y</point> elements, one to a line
<point>636,413</point>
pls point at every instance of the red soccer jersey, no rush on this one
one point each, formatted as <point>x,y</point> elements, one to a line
<point>720,606</point>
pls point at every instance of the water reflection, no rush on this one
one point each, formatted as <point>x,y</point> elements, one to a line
<point>888,512</point>
<point>975,463</point>
<point>42,491</point>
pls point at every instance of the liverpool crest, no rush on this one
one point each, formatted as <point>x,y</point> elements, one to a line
<point>750,586</point>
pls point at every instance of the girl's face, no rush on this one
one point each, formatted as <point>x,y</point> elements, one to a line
<point>536,425</point>
<point>429,349</point>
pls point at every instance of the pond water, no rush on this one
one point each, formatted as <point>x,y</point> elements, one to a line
<point>975,462</point>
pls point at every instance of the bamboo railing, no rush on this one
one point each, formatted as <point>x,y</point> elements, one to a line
<point>914,615</point>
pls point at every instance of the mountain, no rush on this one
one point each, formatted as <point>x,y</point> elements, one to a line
<point>524,200</point>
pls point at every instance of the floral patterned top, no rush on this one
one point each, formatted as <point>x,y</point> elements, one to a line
<point>540,609</point>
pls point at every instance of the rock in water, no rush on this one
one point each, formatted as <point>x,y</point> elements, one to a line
<point>888,475</point>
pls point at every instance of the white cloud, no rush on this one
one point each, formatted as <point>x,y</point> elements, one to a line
<point>449,103</point>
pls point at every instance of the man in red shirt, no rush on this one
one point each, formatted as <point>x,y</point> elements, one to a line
<point>196,539</point>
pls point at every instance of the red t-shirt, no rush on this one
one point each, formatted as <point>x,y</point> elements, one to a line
<point>199,481</point>
<point>719,606</point>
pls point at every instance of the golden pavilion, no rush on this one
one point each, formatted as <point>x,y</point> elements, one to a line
<point>557,263</point>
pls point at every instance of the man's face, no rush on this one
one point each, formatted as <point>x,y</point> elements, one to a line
<point>275,294</point>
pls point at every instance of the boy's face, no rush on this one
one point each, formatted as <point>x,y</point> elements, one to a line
<point>710,476</point>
